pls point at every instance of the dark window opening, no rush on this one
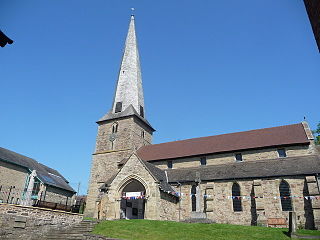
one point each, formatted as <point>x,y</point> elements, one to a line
<point>285,197</point>
<point>238,157</point>
<point>236,198</point>
<point>193,198</point>
<point>118,107</point>
<point>169,164</point>
<point>115,128</point>
<point>142,134</point>
<point>141,111</point>
<point>282,152</point>
<point>203,161</point>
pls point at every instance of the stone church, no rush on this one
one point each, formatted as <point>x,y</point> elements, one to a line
<point>243,178</point>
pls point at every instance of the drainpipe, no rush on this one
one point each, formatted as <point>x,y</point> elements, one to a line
<point>165,171</point>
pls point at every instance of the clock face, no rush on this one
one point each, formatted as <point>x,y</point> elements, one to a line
<point>112,137</point>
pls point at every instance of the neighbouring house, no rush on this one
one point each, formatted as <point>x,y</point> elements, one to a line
<point>25,181</point>
<point>251,178</point>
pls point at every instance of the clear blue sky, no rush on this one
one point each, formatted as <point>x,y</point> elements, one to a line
<point>209,67</point>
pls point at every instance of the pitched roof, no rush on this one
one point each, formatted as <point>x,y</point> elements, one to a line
<point>266,137</point>
<point>160,175</point>
<point>47,175</point>
<point>129,111</point>
<point>290,166</point>
<point>157,173</point>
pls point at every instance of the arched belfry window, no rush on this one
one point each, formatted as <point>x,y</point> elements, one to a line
<point>194,198</point>
<point>285,196</point>
<point>115,128</point>
<point>236,198</point>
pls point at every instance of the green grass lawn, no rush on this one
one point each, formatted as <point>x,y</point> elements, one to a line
<point>165,230</point>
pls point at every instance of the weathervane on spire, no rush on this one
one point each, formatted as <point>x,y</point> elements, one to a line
<point>132,11</point>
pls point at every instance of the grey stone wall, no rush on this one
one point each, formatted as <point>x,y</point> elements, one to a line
<point>11,175</point>
<point>58,195</point>
<point>219,207</point>
<point>20,222</point>
<point>247,155</point>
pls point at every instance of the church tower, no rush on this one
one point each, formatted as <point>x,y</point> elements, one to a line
<point>124,128</point>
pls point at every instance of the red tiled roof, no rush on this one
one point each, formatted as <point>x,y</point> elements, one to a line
<point>266,137</point>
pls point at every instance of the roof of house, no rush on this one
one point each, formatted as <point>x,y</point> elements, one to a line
<point>266,137</point>
<point>46,174</point>
<point>290,166</point>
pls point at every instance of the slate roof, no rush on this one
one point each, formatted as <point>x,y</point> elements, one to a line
<point>46,174</point>
<point>290,166</point>
<point>267,137</point>
<point>156,172</point>
<point>129,111</point>
<point>160,176</point>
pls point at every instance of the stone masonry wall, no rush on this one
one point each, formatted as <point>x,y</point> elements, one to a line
<point>219,207</point>
<point>107,156</point>
<point>103,167</point>
<point>248,155</point>
<point>168,207</point>
<point>57,195</point>
<point>133,169</point>
<point>11,175</point>
<point>16,219</point>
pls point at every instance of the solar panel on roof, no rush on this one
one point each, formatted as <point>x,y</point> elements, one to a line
<point>48,179</point>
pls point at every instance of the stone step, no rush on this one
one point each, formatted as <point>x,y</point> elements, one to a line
<point>76,232</point>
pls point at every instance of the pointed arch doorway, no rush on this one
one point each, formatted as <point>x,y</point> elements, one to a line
<point>132,202</point>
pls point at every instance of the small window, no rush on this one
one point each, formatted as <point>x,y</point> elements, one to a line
<point>203,161</point>
<point>236,198</point>
<point>169,164</point>
<point>141,111</point>
<point>282,152</point>
<point>285,196</point>
<point>193,198</point>
<point>238,157</point>
<point>142,133</point>
<point>118,107</point>
<point>115,128</point>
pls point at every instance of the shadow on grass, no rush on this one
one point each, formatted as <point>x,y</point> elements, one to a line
<point>286,233</point>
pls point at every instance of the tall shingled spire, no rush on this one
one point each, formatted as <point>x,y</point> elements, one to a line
<point>129,86</point>
<point>128,98</point>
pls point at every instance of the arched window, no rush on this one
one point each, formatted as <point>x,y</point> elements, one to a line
<point>115,128</point>
<point>194,198</point>
<point>285,197</point>
<point>236,198</point>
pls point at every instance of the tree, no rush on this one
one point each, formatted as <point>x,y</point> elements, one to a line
<point>316,133</point>
<point>4,39</point>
